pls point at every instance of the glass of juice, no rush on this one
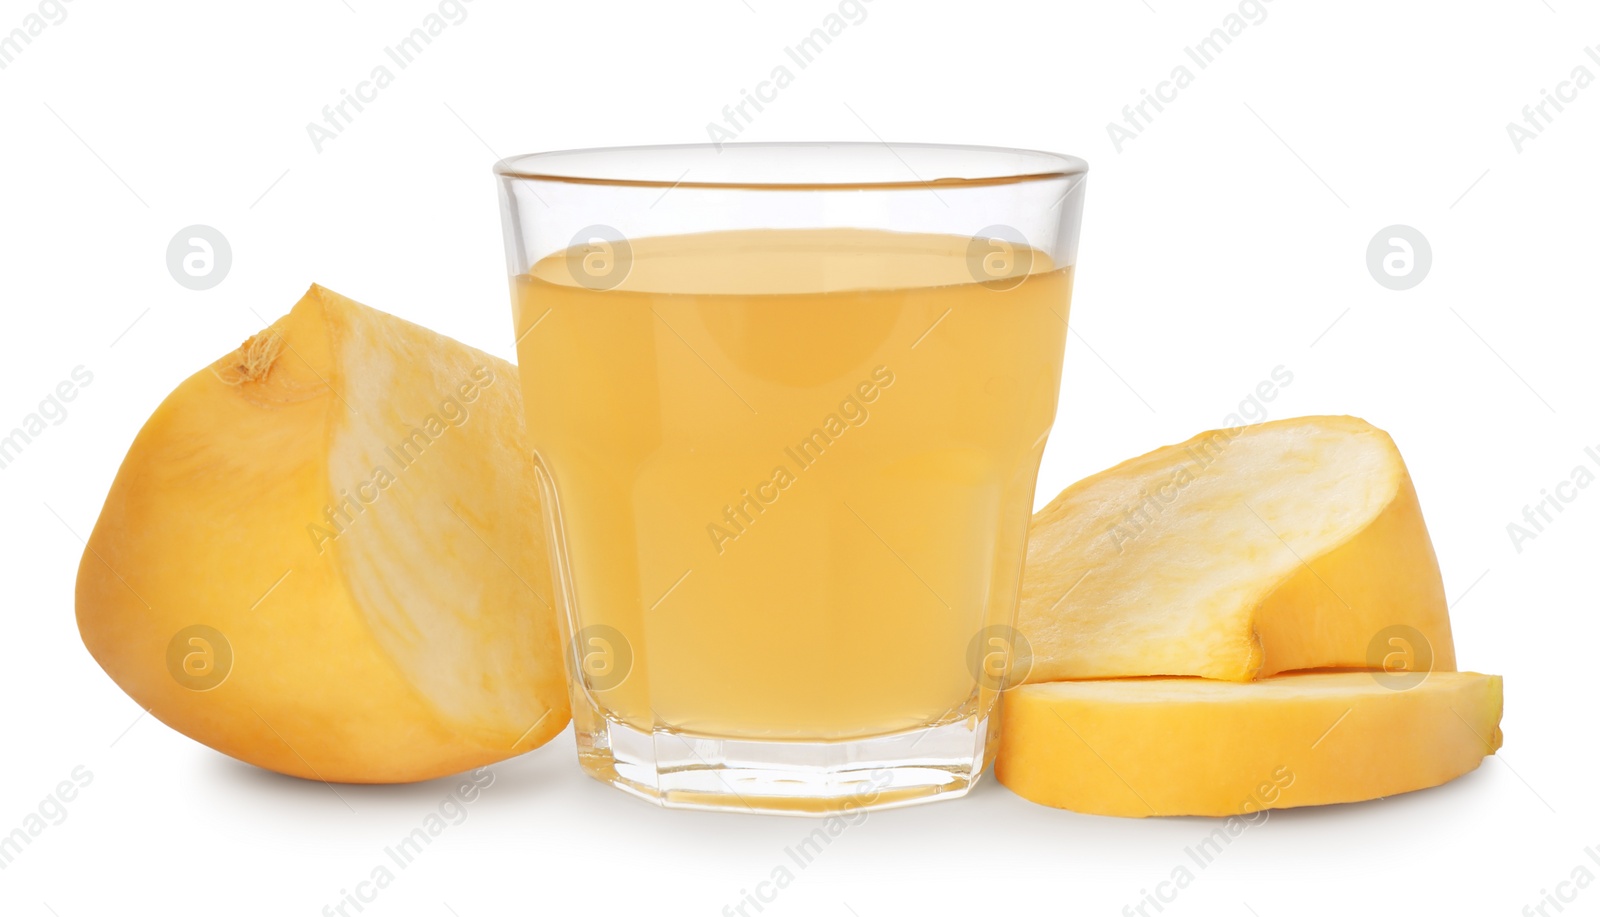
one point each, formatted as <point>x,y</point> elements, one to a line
<point>787,403</point>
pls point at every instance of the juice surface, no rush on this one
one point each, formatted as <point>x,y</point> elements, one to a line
<point>793,470</point>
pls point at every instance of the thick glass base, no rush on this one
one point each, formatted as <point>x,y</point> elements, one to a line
<point>684,771</point>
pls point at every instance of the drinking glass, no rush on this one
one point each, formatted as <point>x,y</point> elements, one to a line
<point>787,403</point>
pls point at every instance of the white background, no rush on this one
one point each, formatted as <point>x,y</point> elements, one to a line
<point>1228,239</point>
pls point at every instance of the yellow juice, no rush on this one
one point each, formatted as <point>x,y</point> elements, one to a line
<point>791,469</point>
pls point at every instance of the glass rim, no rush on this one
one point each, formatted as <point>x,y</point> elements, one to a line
<point>615,166</point>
